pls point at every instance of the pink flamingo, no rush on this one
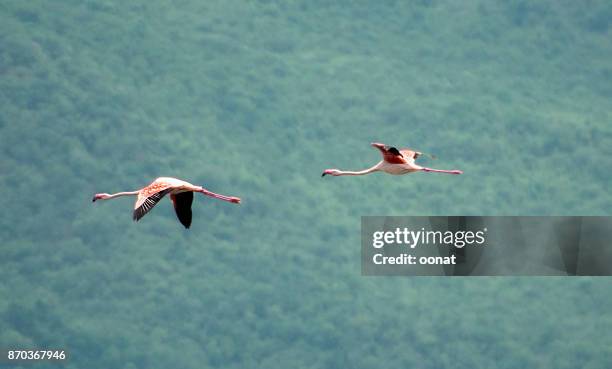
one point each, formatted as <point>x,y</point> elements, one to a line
<point>394,162</point>
<point>181,194</point>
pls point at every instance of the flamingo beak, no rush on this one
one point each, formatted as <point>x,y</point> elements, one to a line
<point>94,199</point>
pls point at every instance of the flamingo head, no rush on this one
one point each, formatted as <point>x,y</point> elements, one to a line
<point>100,196</point>
<point>332,172</point>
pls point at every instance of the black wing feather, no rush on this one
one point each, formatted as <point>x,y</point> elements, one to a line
<point>395,151</point>
<point>182,206</point>
<point>148,204</point>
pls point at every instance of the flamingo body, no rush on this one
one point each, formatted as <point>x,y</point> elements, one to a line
<point>181,195</point>
<point>395,162</point>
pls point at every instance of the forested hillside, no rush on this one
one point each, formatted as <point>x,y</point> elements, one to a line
<point>255,99</point>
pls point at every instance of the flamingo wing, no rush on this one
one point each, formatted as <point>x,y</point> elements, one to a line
<point>409,153</point>
<point>149,197</point>
<point>394,156</point>
<point>182,206</point>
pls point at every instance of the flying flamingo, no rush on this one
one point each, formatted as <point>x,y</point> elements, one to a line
<point>394,162</point>
<point>181,194</point>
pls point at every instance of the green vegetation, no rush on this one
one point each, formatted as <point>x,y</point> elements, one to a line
<point>255,99</point>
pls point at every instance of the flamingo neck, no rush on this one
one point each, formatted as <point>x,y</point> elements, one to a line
<point>361,172</point>
<point>119,194</point>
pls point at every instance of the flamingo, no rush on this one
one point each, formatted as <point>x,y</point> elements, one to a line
<point>181,194</point>
<point>394,162</point>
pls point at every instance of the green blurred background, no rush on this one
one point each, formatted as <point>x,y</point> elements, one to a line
<point>255,99</point>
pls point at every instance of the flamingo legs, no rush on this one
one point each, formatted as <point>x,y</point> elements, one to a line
<point>425,169</point>
<point>232,199</point>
